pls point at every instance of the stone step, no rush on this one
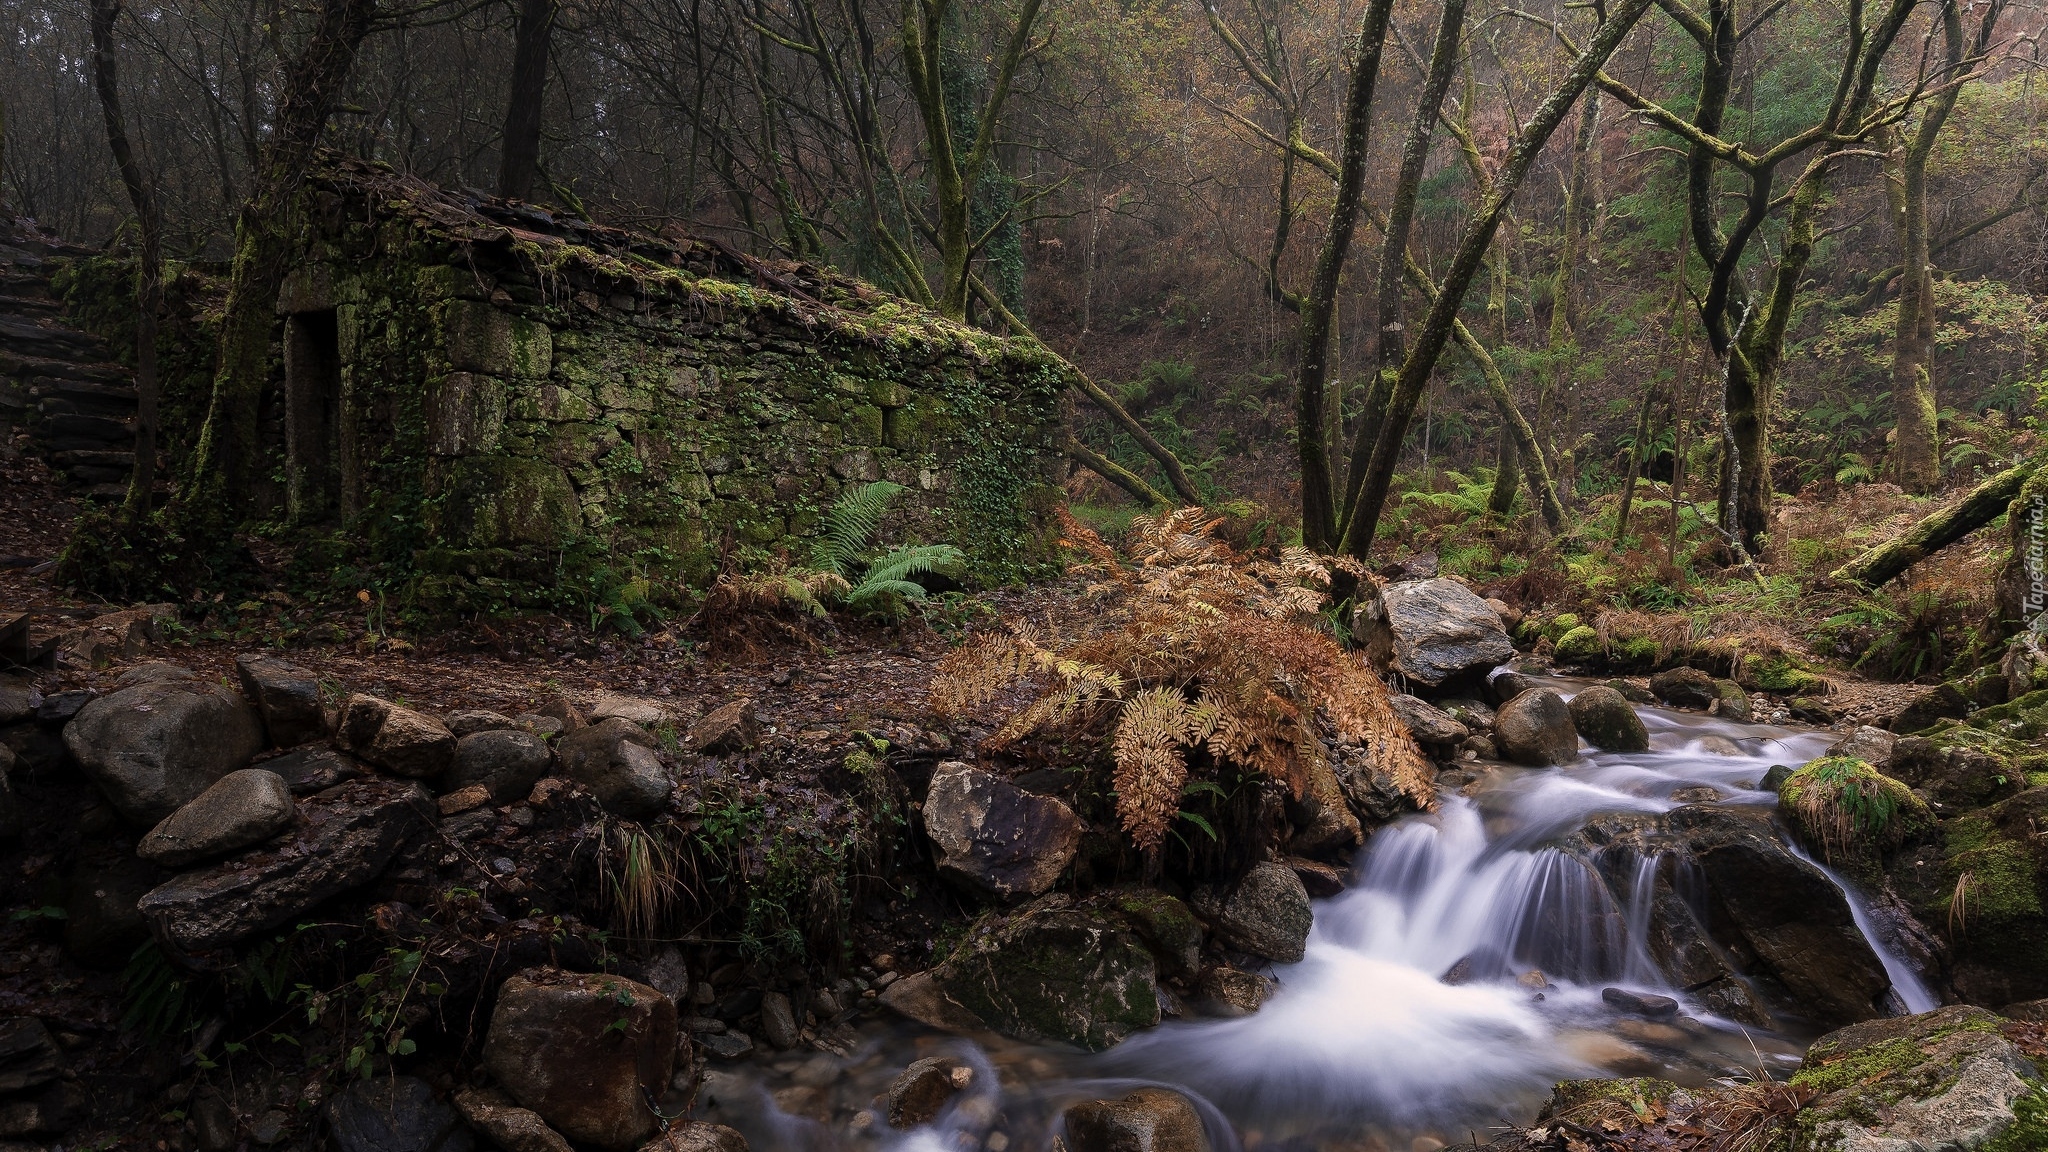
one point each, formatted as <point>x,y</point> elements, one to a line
<point>30,305</point>
<point>85,394</point>
<point>61,429</point>
<point>90,458</point>
<point>47,340</point>
<point>97,371</point>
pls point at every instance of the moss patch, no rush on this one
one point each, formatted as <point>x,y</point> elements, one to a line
<point>1850,811</point>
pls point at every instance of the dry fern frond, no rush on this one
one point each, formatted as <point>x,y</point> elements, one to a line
<point>1197,647</point>
<point>1153,733</point>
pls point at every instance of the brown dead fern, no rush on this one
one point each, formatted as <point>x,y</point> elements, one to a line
<point>1197,647</point>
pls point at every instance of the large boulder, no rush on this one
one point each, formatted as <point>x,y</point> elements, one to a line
<point>287,695</point>
<point>615,759</point>
<point>19,700</point>
<point>693,1136</point>
<point>1432,631</point>
<point>12,821</point>
<point>1684,688</point>
<point>1874,746</point>
<point>242,808</point>
<point>507,762</point>
<point>394,738</point>
<point>344,838</point>
<point>152,747</point>
<point>1053,971</point>
<point>393,1114</point>
<point>1946,1079</point>
<point>1147,1120</point>
<point>1731,702</point>
<point>994,837</point>
<point>1929,707</point>
<point>585,1052</point>
<point>1266,913</point>
<point>1955,772</point>
<point>1608,721</point>
<point>1784,911</point>
<point>1536,728</point>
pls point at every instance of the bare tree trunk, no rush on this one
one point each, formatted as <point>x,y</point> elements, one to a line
<point>519,162</point>
<point>1437,328</point>
<point>1635,463</point>
<point>1392,347</point>
<point>149,255</point>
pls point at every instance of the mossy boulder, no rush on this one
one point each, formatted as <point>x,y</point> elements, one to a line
<point>1054,970</point>
<point>1781,674</point>
<point>1930,707</point>
<point>2023,719</point>
<point>1581,645</point>
<point>1608,721</point>
<point>1986,881</point>
<point>1852,814</point>
<point>1731,702</point>
<point>1941,1079</point>
<point>1960,768</point>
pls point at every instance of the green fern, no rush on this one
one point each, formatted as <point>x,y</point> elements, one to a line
<point>850,524</point>
<point>886,588</point>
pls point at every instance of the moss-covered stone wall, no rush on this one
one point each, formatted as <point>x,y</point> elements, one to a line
<point>514,406</point>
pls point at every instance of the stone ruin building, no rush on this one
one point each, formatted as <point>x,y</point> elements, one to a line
<point>495,399</point>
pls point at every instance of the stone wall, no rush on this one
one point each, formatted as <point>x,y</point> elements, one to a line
<point>502,406</point>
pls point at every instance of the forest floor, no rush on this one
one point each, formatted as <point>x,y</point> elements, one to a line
<point>816,678</point>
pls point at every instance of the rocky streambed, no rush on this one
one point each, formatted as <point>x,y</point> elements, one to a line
<point>289,915</point>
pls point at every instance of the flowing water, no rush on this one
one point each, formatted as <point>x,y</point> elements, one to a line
<point>1442,994</point>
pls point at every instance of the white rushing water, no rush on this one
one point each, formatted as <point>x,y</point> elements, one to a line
<point>1462,972</point>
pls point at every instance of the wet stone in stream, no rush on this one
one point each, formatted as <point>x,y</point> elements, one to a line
<point>1519,936</point>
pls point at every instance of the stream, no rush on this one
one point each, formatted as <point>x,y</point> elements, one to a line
<point>1367,1044</point>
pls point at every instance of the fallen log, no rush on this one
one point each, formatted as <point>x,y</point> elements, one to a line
<point>1115,473</point>
<point>1983,505</point>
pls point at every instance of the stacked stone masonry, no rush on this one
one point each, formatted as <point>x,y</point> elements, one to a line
<point>489,390</point>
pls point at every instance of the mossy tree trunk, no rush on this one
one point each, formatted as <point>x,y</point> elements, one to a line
<point>1984,504</point>
<point>1916,451</point>
<point>1319,304</point>
<point>215,500</point>
<point>149,254</point>
<point>1746,335</point>
<point>1561,356</point>
<point>953,174</point>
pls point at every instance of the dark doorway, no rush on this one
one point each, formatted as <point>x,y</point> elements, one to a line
<point>312,395</point>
